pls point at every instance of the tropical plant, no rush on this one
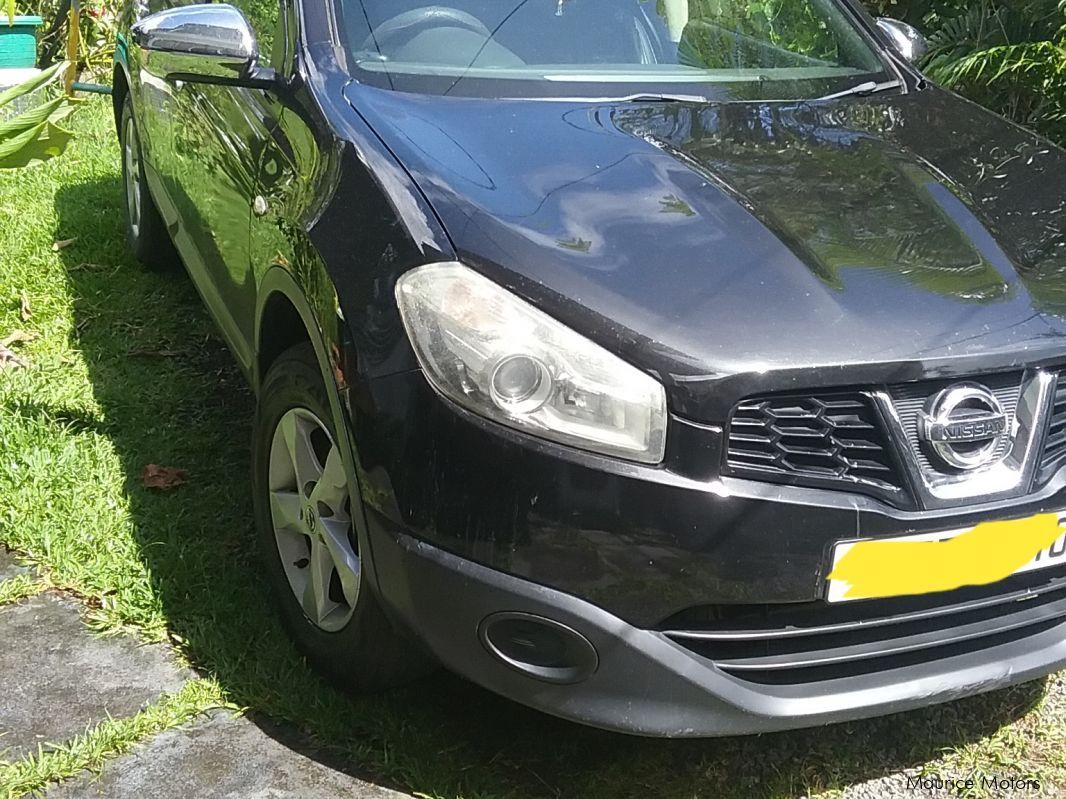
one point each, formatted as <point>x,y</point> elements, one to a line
<point>30,129</point>
<point>89,44</point>
<point>34,135</point>
<point>1010,58</point>
<point>1009,55</point>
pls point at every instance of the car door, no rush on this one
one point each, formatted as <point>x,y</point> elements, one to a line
<point>206,144</point>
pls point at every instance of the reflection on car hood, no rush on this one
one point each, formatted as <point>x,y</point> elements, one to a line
<point>781,244</point>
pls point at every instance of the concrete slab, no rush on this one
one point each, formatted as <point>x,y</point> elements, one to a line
<point>56,679</point>
<point>223,757</point>
<point>8,565</point>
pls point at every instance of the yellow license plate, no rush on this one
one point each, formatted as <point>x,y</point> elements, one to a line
<point>934,562</point>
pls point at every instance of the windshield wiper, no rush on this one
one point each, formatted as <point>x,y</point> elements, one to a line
<point>864,89</point>
<point>657,97</point>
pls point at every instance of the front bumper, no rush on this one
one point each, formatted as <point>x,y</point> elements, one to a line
<point>647,684</point>
<point>468,520</point>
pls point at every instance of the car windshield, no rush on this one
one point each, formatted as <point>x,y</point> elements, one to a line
<point>713,49</point>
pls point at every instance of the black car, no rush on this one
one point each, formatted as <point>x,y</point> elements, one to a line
<point>681,368</point>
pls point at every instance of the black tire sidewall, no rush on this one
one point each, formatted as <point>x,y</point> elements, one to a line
<point>133,240</point>
<point>348,656</point>
<point>151,244</point>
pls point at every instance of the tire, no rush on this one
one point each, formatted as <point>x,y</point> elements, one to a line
<point>354,645</point>
<point>146,233</point>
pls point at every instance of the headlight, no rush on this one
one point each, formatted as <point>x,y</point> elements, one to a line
<point>501,358</point>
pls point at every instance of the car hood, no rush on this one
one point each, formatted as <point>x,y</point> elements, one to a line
<point>773,245</point>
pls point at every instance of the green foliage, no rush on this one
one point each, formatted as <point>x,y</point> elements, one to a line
<point>263,15</point>
<point>96,32</point>
<point>33,136</point>
<point>799,27</point>
<point>1009,55</point>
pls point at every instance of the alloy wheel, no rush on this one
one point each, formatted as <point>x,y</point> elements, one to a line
<point>310,509</point>
<point>132,157</point>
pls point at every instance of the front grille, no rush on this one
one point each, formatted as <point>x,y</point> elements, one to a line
<point>826,437</point>
<point>1055,443</point>
<point>802,644</point>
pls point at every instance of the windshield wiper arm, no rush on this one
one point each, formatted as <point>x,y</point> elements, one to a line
<point>656,97</point>
<point>864,89</point>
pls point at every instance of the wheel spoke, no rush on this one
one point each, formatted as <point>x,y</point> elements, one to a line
<point>332,486</point>
<point>285,510</point>
<point>133,175</point>
<point>305,465</point>
<point>335,536</point>
<point>316,601</point>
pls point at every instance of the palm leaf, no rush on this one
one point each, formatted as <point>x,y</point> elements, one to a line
<point>34,135</point>
<point>34,146</point>
<point>29,119</point>
<point>33,84</point>
<point>1009,55</point>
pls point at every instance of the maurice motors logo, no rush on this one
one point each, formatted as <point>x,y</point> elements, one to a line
<point>955,786</point>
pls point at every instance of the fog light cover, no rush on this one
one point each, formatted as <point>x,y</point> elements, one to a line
<point>538,647</point>
<point>498,356</point>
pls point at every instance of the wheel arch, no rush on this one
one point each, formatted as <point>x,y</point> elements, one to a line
<point>280,325</point>
<point>120,89</point>
<point>284,319</point>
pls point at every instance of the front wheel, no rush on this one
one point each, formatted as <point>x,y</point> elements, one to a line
<point>307,538</point>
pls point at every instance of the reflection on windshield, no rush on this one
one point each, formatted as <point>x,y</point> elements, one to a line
<point>784,48</point>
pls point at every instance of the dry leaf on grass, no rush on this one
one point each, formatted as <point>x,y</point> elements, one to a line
<point>163,477</point>
<point>61,243</point>
<point>16,337</point>
<point>24,307</point>
<point>9,360</point>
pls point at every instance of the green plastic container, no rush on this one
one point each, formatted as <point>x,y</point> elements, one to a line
<point>18,42</point>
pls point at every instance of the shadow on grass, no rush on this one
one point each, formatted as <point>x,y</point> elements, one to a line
<point>170,394</point>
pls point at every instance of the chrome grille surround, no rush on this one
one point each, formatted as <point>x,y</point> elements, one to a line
<point>1010,477</point>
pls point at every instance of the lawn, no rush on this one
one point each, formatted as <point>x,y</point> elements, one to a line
<point>125,370</point>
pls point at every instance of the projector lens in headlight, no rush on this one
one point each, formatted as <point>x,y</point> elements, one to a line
<point>520,384</point>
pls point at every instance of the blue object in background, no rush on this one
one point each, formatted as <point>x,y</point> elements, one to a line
<point>18,42</point>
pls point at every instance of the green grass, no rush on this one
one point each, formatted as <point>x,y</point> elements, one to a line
<point>126,370</point>
<point>109,738</point>
<point>20,587</point>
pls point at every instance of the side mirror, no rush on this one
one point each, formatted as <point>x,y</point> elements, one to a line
<point>208,43</point>
<point>905,39</point>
